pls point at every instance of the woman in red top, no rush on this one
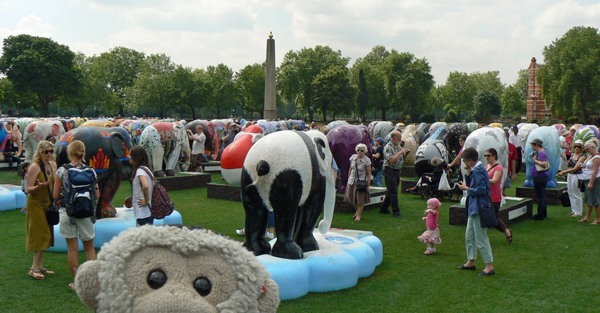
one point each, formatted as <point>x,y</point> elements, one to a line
<point>495,171</point>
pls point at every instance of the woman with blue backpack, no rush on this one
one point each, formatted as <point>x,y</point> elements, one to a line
<point>76,200</point>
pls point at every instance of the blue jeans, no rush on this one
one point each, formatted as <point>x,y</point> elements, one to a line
<point>539,185</point>
<point>10,159</point>
<point>378,178</point>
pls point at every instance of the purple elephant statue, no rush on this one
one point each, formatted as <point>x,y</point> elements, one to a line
<point>342,142</point>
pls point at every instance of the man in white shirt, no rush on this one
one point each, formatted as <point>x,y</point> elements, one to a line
<point>515,139</point>
<point>197,147</point>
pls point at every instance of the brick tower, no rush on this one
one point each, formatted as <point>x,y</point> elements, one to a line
<point>536,105</point>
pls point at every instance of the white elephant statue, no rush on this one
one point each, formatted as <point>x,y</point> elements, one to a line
<point>37,131</point>
<point>524,131</point>
<point>409,135</point>
<point>166,141</point>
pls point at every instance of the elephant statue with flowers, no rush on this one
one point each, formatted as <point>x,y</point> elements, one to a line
<point>37,131</point>
<point>166,141</point>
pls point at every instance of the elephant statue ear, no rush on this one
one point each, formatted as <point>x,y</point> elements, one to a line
<point>116,142</point>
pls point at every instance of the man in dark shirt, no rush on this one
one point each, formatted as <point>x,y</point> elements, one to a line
<point>229,134</point>
<point>378,162</point>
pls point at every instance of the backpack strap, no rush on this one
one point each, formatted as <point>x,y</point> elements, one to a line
<point>147,170</point>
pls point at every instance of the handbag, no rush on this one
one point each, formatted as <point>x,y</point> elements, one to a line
<point>361,184</point>
<point>52,215</point>
<point>487,215</point>
<point>582,184</point>
<point>540,168</point>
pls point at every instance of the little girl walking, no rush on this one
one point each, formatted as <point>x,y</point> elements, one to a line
<point>432,235</point>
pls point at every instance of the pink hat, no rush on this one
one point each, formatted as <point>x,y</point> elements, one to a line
<point>435,202</point>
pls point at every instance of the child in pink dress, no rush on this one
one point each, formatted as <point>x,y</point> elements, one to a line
<point>432,235</point>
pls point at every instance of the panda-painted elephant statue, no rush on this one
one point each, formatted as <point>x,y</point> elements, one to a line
<point>297,189</point>
<point>433,146</point>
<point>485,138</point>
<point>37,131</point>
<point>342,142</point>
<point>551,143</point>
<point>107,151</point>
<point>166,141</point>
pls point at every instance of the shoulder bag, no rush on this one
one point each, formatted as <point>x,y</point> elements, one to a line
<point>52,215</point>
<point>361,184</point>
<point>541,168</point>
<point>487,215</point>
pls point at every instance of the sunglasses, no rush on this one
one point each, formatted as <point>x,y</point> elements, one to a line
<point>49,151</point>
<point>360,150</point>
<point>488,155</point>
<point>580,147</point>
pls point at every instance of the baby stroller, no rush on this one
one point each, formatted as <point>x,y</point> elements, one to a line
<point>436,184</point>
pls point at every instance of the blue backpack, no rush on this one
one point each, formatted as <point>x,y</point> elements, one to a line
<point>79,196</point>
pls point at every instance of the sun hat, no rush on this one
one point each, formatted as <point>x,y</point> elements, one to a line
<point>564,132</point>
<point>578,142</point>
<point>380,140</point>
<point>538,142</point>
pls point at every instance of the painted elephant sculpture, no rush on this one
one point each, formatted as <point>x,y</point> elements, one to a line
<point>135,128</point>
<point>433,146</point>
<point>455,130</point>
<point>485,138</point>
<point>10,130</point>
<point>498,125</point>
<point>165,141</point>
<point>23,123</point>
<point>382,129</point>
<point>559,127</point>
<point>98,123</point>
<point>299,123</point>
<point>472,126</point>
<point>524,131</point>
<point>422,130</point>
<point>270,127</point>
<point>371,126</point>
<point>107,151</point>
<point>342,142</point>
<point>333,125</point>
<point>37,131</point>
<point>68,124</point>
<point>408,136</point>
<point>433,128</point>
<point>296,189</point>
<point>551,144</point>
<point>586,133</point>
<point>212,142</point>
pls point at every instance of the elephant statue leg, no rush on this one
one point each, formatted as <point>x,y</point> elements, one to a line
<point>285,207</point>
<point>257,217</point>
<point>311,210</point>
<point>172,159</point>
<point>107,193</point>
<point>157,161</point>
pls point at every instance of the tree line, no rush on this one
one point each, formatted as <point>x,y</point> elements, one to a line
<point>311,82</point>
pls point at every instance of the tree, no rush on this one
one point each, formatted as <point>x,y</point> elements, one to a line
<point>40,66</point>
<point>374,67</point>
<point>120,68</point>
<point>488,81</point>
<point>362,101</point>
<point>333,91</point>
<point>458,92</point>
<point>224,93</point>
<point>570,78</point>
<point>513,104</point>
<point>188,90</point>
<point>250,81</point>
<point>408,82</point>
<point>153,85</point>
<point>484,103</point>
<point>299,69</point>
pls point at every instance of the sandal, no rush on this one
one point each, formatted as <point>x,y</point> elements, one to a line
<point>595,223</point>
<point>46,271</point>
<point>509,238</point>
<point>72,286</point>
<point>583,220</point>
<point>36,274</point>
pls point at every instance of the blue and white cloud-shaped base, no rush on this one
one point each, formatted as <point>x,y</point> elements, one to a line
<point>107,228</point>
<point>343,257</point>
<point>12,197</point>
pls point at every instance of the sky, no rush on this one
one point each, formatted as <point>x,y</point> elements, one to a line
<point>453,35</point>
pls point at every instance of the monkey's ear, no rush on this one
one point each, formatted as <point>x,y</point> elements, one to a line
<point>87,284</point>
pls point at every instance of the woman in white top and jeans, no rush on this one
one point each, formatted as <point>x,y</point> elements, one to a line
<point>142,185</point>
<point>591,174</point>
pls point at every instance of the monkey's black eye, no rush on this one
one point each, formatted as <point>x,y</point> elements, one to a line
<point>202,286</point>
<point>157,279</point>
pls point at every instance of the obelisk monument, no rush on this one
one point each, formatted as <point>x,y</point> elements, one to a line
<point>270,110</point>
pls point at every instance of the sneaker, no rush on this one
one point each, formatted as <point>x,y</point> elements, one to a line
<point>270,235</point>
<point>240,232</point>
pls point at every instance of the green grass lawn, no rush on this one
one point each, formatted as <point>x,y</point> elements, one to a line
<point>552,265</point>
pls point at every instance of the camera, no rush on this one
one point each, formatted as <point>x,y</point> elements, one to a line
<point>402,144</point>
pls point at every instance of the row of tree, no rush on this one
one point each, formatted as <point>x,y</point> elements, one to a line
<point>41,73</point>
